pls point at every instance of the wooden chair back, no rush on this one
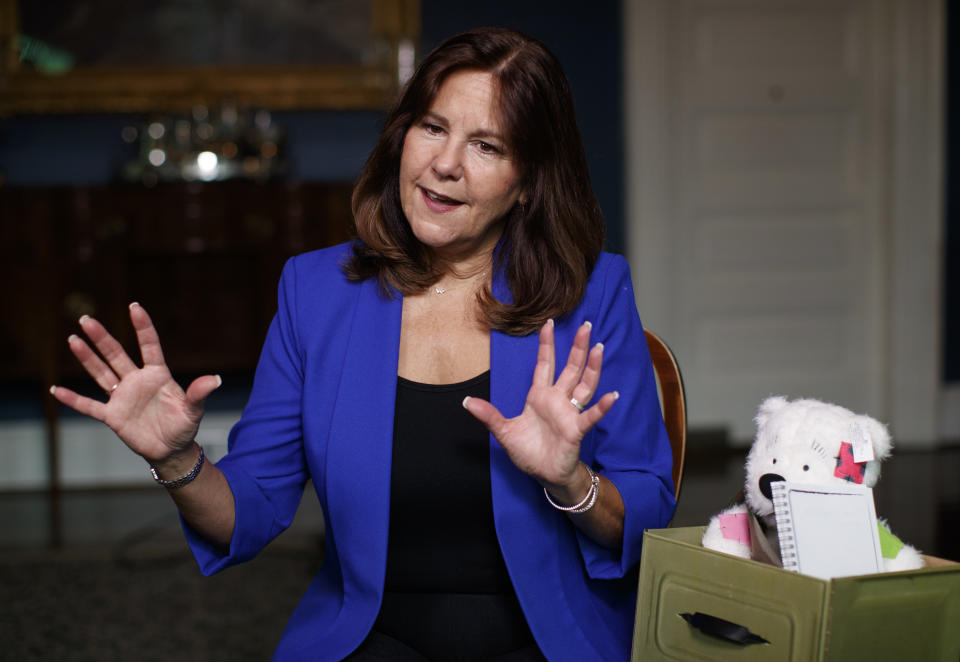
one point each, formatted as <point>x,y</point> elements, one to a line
<point>673,402</point>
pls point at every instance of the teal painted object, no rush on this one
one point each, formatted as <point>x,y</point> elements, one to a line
<point>45,58</point>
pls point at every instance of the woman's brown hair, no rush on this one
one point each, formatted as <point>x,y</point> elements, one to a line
<point>550,242</point>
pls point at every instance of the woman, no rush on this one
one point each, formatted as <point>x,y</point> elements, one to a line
<point>477,505</point>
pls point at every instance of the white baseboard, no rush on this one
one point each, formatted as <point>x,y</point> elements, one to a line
<point>90,454</point>
<point>23,455</point>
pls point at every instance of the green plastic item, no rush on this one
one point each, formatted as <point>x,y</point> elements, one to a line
<point>890,545</point>
<point>698,604</point>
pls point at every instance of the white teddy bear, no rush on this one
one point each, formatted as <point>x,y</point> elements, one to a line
<point>813,442</point>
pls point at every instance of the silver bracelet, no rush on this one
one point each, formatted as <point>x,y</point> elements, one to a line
<point>185,479</point>
<point>588,500</point>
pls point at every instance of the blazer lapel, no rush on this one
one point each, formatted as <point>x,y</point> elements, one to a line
<point>517,498</point>
<point>361,442</point>
<point>512,361</point>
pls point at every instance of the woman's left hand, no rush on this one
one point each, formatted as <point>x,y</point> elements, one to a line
<point>544,440</point>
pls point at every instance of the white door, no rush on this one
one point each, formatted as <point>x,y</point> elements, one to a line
<point>759,189</point>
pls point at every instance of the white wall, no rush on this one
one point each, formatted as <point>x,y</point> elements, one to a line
<point>905,110</point>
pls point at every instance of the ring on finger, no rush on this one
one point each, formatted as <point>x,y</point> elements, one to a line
<point>113,388</point>
<point>576,403</point>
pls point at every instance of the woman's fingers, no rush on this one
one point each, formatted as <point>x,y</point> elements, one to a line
<point>581,376</point>
<point>590,378</point>
<point>147,336</point>
<point>111,350</point>
<point>572,372</point>
<point>84,405</point>
<point>200,388</point>
<point>592,416</point>
<point>544,439</point>
<point>546,356</point>
<point>92,363</point>
<point>487,414</point>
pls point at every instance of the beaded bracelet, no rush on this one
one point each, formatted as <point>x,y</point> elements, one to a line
<point>182,480</point>
<point>587,502</point>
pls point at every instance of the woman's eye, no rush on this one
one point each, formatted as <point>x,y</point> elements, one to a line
<point>487,148</point>
<point>432,128</point>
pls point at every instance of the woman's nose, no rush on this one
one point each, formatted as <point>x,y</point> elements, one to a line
<point>448,161</point>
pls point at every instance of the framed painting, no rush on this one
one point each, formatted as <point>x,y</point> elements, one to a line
<point>82,56</point>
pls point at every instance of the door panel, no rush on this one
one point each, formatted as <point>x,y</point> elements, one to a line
<point>774,175</point>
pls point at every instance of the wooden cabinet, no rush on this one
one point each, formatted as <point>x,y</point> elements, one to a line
<point>202,258</point>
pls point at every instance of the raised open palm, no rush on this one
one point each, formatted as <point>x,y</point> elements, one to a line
<point>544,440</point>
<point>146,408</point>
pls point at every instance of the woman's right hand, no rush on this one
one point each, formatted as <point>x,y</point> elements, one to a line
<point>146,408</point>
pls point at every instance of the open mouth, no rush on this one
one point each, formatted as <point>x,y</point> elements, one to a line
<point>438,199</point>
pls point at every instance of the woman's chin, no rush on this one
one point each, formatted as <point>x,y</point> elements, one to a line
<point>445,241</point>
<point>436,240</point>
<point>442,241</point>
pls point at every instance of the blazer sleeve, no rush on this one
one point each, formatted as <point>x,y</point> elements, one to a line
<point>629,445</point>
<point>265,465</point>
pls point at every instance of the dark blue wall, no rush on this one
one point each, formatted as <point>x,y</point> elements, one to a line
<point>86,149</point>
<point>58,150</point>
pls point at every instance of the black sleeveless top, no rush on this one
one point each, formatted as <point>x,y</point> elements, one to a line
<point>442,537</point>
<point>448,596</point>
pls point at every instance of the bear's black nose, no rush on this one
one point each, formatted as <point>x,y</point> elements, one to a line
<point>765,481</point>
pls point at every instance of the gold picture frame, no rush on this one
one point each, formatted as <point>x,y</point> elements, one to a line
<point>369,83</point>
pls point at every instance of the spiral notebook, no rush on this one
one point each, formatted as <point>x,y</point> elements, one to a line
<point>827,531</point>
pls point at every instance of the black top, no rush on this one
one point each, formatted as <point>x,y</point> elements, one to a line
<point>442,537</point>
<point>447,595</point>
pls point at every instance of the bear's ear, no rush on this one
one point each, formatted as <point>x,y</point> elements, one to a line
<point>768,408</point>
<point>876,432</point>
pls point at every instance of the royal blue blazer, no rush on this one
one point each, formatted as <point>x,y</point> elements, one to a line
<point>321,408</point>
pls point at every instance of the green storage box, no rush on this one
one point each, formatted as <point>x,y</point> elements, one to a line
<point>695,604</point>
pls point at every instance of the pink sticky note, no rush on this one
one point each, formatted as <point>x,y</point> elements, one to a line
<point>735,526</point>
